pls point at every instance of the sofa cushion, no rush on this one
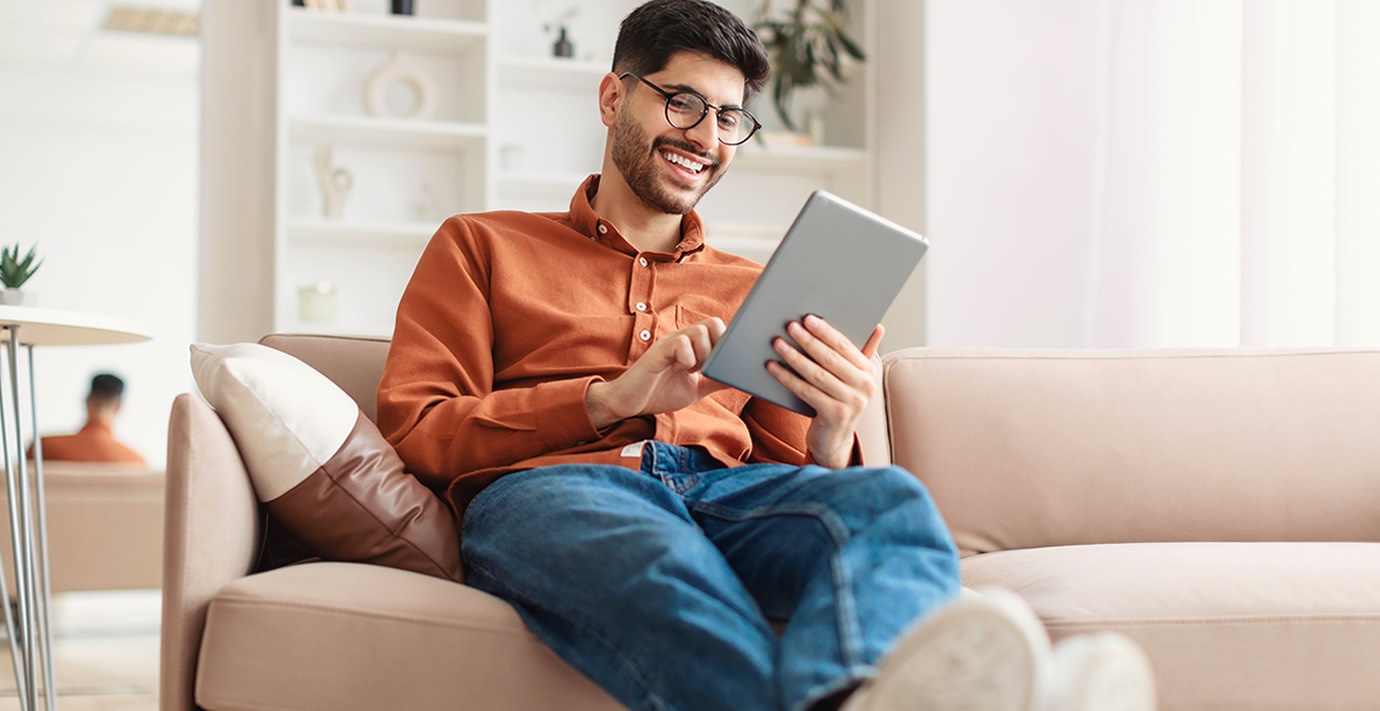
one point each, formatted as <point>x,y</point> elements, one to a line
<point>345,636</point>
<point>322,468</point>
<point>1226,625</point>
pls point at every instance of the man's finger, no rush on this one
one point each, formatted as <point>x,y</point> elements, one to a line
<point>820,352</point>
<point>813,396</point>
<point>685,351</point>
<point>700,338</point>
<point>811,371</point>
<point>819,328</point>
<point>874,341</point>
<point>716,328</point>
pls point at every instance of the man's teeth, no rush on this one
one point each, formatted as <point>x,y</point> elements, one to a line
<point>682,160</point>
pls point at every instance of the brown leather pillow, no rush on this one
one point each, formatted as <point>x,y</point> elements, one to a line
<point>322,469</point>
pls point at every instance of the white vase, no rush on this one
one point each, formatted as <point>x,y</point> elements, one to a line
<point>12,297</point>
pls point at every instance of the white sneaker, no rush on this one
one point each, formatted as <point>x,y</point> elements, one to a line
<point>990,652</point>
<point>979,653</point>
<point>1105,671</point>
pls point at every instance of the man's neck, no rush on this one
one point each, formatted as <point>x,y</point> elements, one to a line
<point>644,227</point>
<point>97,423</point>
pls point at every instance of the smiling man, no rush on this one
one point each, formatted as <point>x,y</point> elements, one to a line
<point>648,523</point>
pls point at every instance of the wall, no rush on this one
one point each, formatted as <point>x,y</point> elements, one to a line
<point>98,138</point>
<point>1009,130</point>
<point>234,301</point>
<point>900,132</point>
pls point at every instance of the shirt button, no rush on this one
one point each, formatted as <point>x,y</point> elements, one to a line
<point>603,229</point>
<point>641,306</point>
<point>645,335</point>
<point>642,261</point>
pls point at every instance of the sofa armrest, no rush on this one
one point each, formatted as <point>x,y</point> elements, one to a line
<point>872,429</point>
<point>211,532</point>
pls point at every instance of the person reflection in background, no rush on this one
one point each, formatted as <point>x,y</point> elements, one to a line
<point>95,442</point>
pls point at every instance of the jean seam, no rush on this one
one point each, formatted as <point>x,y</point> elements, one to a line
<point>579,621</point>
<point>846,618</point>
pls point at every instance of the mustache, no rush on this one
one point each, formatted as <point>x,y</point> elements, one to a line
<point>682,145</point>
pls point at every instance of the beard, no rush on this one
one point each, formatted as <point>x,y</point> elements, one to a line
<point>638,164</point>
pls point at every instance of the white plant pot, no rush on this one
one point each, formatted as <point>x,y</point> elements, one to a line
<point>12,297</point>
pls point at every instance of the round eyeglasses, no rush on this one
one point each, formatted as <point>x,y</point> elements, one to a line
<point>686,109</point>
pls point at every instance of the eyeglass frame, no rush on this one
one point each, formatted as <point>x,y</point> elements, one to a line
<point>718,110</point>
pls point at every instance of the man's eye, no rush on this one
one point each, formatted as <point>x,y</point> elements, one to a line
<point>682,102</point>
<point>727,120</point>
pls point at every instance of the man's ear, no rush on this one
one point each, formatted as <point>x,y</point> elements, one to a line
<point>610,94</point>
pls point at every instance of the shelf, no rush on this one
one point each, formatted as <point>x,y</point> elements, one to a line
<point>368,234</point>
<point>416,34</point>
<point>551,73</point>
<point>389,132</point>
<point>799,158</point>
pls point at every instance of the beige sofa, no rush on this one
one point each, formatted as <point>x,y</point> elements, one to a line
<point>105,526</point>
<point>1220,508</point>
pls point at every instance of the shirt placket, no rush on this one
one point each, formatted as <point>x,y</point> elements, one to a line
<point>640,306</point>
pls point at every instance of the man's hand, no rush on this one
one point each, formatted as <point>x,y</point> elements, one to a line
<point>835,378</point>
<point>666,377</point>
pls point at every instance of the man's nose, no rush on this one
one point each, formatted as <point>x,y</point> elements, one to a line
<point>705,134</point>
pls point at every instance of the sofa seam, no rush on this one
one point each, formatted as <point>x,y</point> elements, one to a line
<point>1093,355</point>
<point>1209,622</point>
<point>247,602</point>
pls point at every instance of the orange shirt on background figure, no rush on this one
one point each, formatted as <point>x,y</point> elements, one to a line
<point>95,442</point>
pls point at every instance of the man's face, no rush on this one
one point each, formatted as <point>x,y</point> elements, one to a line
<point>646,147</point>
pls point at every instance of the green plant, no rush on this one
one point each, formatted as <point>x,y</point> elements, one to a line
<point>808,46</point>
<point>15,271</point>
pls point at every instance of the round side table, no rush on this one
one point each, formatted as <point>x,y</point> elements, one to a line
<point>30,638</point>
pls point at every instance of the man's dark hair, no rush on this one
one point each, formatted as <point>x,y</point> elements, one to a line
<point>660,28</point>
<point>106,388</point>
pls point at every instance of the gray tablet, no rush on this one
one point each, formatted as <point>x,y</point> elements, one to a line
<point>838,261</point>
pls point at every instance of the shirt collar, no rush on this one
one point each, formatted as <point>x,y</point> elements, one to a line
<point>586,221</point>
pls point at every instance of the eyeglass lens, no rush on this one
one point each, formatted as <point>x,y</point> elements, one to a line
<point>685,110</point>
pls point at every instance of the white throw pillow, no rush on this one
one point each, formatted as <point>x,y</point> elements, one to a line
<point>321,467</point>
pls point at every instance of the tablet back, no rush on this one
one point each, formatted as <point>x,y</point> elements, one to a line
<point>838,261</point>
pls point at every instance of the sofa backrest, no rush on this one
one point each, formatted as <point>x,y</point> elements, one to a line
<point>1023,449</point>
<point>356,365</point>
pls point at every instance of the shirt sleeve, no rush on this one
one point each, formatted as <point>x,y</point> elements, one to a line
<point>436,402</point>
<point>778,435</point>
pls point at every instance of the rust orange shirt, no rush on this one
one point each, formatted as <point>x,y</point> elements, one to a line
<point>508,318</point>
<point>94,443</point>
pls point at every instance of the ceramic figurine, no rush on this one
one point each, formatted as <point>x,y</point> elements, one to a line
<point>335,183</point>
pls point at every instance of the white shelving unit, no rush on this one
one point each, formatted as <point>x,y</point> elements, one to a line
<point>390,132</point>
<point>417,34</point>
<point>513,129</point>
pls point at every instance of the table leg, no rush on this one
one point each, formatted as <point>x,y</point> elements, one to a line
<point>43,592</point>
<point>15,628</point>
<point>28,592</point>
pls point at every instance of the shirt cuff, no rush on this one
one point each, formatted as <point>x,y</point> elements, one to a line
<point>563,402</point>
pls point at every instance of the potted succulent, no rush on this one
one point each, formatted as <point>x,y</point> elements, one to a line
<point>14,271</point>
<point>809,46</point>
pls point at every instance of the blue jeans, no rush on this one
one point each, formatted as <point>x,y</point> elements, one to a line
<point>658,585</point>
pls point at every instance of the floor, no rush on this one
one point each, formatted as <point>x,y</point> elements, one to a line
<point>105,653</point>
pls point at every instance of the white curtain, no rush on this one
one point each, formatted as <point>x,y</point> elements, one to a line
<point>1236,186</point>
